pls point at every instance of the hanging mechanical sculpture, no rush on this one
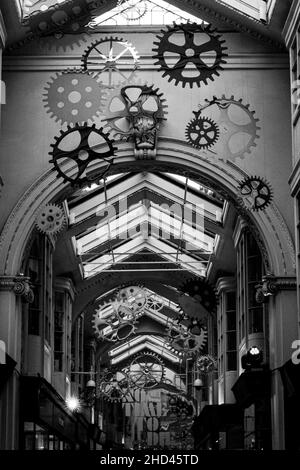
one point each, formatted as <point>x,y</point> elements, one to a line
<point>133,297</point>
<point>256,193</point>
<point>82,144</point>
<point>198,298</point>
<point>146,371</point>
<point>225,123</point>
<point>193,62</point>
<point>50,219</point>
<point>206,364</point>
<point>109,58</point>
<point>135,112</point>
<point>59,25</point>
<point>182,341</point>
<point>113,385</point>
<point>73,96</point>
<point>113,321</point>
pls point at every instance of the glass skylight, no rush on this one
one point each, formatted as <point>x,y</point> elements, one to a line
<point>144,12</point>
<point>247,7</point>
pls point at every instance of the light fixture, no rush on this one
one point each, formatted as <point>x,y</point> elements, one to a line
<point>198,384</point>
<point>73,403</point>
<point>252,359</point>
<point>91,384</point>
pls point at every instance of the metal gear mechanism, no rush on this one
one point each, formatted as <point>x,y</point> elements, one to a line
<point>114,322</point>
<point>133,297</point>
<point>129,104</point>
<point>236,123</point>
<point>191,65</point>
<point>133,10</point>
<point>50,219</point>
<point>146,371</point>
<point>202,133</point>
<point>84,147</point>
<point>73,96</point>
<point>181,340</point>
<point>206,363</point>
<point>113,386</point>
<point>109,58</point>
<point>256,193</point>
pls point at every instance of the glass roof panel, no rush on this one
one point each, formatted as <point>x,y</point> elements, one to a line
<point>247,7</point>
<point>144,12</point>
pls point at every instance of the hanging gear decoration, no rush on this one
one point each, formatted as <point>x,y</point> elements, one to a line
<point>192,64</point>
<point>135,112</point>
<point>73,96</point>
<point>202,133</point>
<point>182,341</point>
<point>109,59</point>
<point>113,385</point>
<point>236,123</point>
<point>198,299</point>
<point>133,297</point>
<point>50,219</point>
<point>146,371</point>
<point>154,304</point>
<point>256,193</point>
<point>78,144</point>
<point>113,322</point>
<point>206,363</point>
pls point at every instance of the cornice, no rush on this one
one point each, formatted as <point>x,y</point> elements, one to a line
<point>225,284</point>
<point>66,284</point>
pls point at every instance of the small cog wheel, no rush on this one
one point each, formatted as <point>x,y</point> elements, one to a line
<point>202,133</point>
<point>73,96</point>
<point>50,219</point>
<point>206,363</point>
<point>133,10</point>
<point>238,129</point>
<point>192,65</point>
<point>109,59</point>
<point>85,147</point>
<point>146,371</point>
<point>154,304</point>
<point>133,297</point>
<point>256,193</point>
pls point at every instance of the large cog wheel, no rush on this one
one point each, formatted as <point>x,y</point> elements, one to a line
<point>184,342</point>
<point>202,133</point>
<point>146,371</point>
<point>189,54</point>
<point>256,193</point>
<point>73,96</point>
<point>117,326</point>
<point>128,104</point>
<point>230,128</point>
<point>202,292</point>
<point>50,219</point>
<point>83,152</point>
<point>133,10</point>
<point>107,58</point>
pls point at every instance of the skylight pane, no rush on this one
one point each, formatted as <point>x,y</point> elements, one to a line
<point>247,7</point>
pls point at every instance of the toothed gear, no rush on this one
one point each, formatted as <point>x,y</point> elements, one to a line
<point>50,219</point>
<point>202,133</point>
<point>154,304</point>
<point>206,363</point>
<point>82,153</point>
<point>135,9</point>
<point>228,128</point>
<point>73,96</point>
<point>53,24</point>
<point>123,111</point>
<point>134,298</point>
<point>106,58</point>
<point>256,193</point>
<point>113,386</point>
<point>146,371</point>
<point>114,322</point>
<point>202,292</point>
<point>184,342</point>
<point>189,54</point>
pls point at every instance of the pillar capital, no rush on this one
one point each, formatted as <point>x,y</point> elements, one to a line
<point>19,284</point>
<point>270,285</point>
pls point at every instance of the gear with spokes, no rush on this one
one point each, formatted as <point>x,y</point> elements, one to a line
<point>113,385</point>
<point>109,59</point>
<point>192,64</point>
<point>73,96</point>
<point>132,10</point>
<point>146,371</point>
<point>50,219</point>
<point>238,129</point>
<point>154,304</point>
<point>113,322</point>
<point>133,106</point>
<point>181,340</point>
<point>86,145</point>
<point>202,133</point>
<point>256,193</point>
